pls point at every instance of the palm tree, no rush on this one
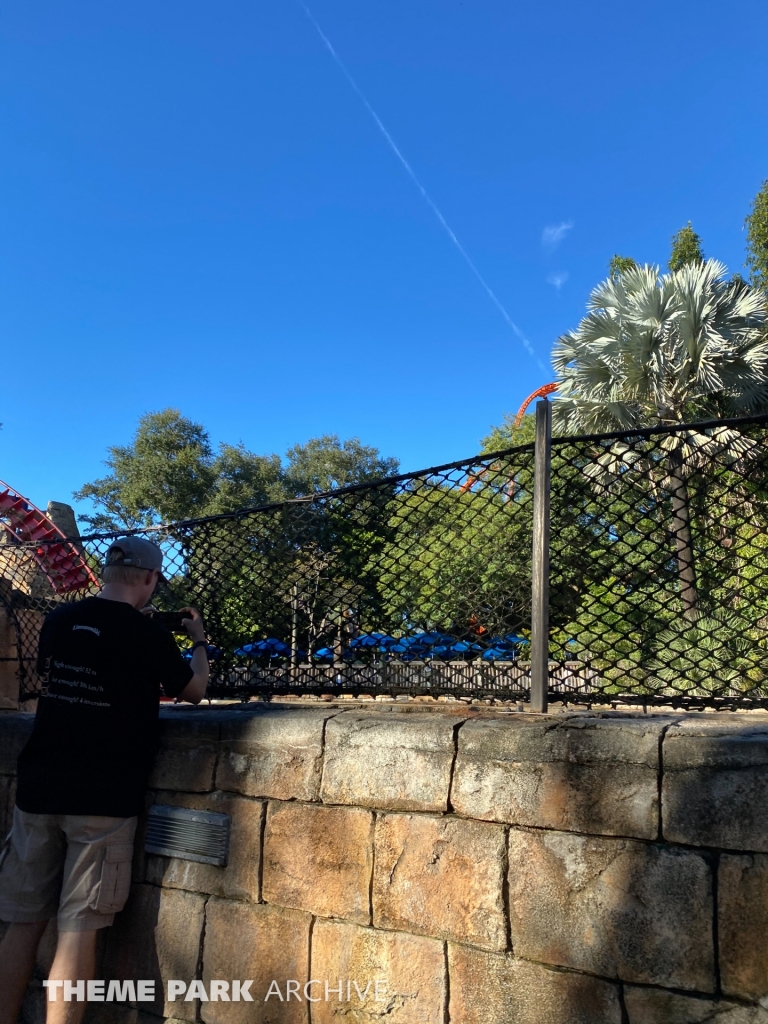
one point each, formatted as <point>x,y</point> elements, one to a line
<point>659,349</point>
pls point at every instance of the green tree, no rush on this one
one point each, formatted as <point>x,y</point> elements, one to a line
<point>325,463</point>
<point>659,349</point>
<point>507,435</point>
<point>757,239</point>
<point>686,248</point>
<point>165,473</point>
<point>654,348</point>
<point>170,472</point>
<point>619,264</point>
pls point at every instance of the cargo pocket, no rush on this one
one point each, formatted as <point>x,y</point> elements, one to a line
<point>115,881</point>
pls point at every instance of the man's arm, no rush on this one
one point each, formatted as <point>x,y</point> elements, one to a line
<point>195,689</point>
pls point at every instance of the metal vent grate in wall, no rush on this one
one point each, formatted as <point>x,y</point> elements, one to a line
<point>190,834</point>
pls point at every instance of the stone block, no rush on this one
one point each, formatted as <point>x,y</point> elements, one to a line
<point>654,1006</point>
<point>391,761</point>
<point>319,859</point>
<point>186,759</point>
<point>612,907</point>
<point>15,730</point>
<point>495,988</point>
<point>742,897</point>
<point>442,877</point>
<point>260,943</point>
<point>157,937</point>
<point>276,753</point>
<point>715,783</point>
<point>239,880</point>
<point>411,968</point>
<point>581,774</point>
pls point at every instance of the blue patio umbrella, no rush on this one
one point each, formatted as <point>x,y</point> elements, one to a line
<point>496,654</point>
<point>425,640</point>
<point>272,647</point>
<point>515,638</point>
<point>214,653</point>
<point>450,651</point>
<point>433,638</point>
<point>378,641</point>
<point>328,654</point>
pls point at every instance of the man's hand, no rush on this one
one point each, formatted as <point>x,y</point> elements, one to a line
<point>195,689</point>
<point>193,623</point>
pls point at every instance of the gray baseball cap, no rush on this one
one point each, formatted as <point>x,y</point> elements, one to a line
<point>135,552</point>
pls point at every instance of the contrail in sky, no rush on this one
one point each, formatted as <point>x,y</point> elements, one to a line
<point>425,195</point>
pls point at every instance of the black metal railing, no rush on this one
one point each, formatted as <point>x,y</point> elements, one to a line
<point>641,554</point>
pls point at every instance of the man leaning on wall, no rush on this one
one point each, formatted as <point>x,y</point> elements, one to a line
<point>84,771</point>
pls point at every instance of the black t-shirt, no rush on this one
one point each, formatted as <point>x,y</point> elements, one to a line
<point>96,728</point>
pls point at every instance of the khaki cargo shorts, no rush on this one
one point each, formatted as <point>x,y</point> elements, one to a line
<point>74,867</point>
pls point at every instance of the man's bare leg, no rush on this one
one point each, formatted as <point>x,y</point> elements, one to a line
<point>75,960</point>
<point>17,958</point>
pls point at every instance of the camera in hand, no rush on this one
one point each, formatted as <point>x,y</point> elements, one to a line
<point>172,620</point>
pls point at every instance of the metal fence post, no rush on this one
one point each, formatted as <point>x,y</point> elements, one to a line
<point>540,559</point>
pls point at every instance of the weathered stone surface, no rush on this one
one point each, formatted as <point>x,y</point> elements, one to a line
<point>715,783</point>
<point>441,877</point>
<point>742,898</point>
<point>411,968</point>
<point>319,859</point>
<point>187,757</point>
<point>495,988</point>
<point>275,753</point>
<point>15,729</point>
<point>240,878</point>
<point>393,761</point>
<point>261,943</point>
<point>653,1006</point>
<point>157,937</point>
<point>585,774</point>
<point>612,907</point>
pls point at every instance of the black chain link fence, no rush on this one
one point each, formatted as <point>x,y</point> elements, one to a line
<point>421,584</point>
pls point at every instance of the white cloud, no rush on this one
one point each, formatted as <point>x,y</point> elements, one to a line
<point>558,279</point>
<point>553,234</point>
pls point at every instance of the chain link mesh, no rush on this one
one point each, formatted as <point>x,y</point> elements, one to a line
<point>421,584</point>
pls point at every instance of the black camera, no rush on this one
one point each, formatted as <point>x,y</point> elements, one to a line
<point>172,620</point>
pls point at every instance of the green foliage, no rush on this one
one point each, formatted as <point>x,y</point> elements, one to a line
<point>325,463</point>
<point>507,435</point>
<point>662,348</point>
<point>620,264</point>
<point>686,248</point>
<point>757,239</point>
<point>170,472</point>
<point>166,473</point>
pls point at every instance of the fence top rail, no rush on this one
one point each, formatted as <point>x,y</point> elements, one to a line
<point>383,482</point>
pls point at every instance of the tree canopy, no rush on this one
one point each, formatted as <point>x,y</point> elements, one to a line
<point>619,264</point>
<point>170,472</point>
<point>757,239</point>
<point>686,248</point>
<point>662,347</point>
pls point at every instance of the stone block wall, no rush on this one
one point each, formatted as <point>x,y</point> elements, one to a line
<point>488,867</point>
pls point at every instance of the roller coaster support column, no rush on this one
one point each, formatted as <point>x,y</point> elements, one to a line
<point>540,560</point>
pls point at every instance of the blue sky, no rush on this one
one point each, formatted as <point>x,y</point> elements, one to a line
<point>198,210</point>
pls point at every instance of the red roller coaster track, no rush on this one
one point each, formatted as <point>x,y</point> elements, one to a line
<point>59,559</point>
<point>542,392</point>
